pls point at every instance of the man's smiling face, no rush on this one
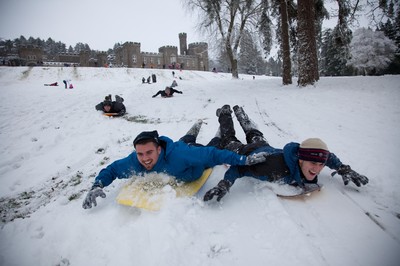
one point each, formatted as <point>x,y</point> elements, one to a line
<point>148,154</point>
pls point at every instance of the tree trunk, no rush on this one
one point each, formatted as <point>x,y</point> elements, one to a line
<point>286,64</point>
<point>232,60</point>
<point>307,51</point>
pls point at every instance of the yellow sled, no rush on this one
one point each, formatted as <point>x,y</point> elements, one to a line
<point>149,194</point>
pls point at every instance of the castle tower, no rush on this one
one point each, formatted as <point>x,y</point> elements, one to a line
<point>200,50</point>
<point>183,43</point>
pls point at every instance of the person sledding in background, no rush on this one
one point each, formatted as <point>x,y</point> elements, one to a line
<point>168,92</point>
<point>296,164</point>
<point>112,107</point>
<point>52,84</point>
<point>185,160</point>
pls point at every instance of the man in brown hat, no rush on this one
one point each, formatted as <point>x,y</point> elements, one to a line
<point>295,164</point>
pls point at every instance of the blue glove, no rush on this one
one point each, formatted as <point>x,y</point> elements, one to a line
<point>90,199</point>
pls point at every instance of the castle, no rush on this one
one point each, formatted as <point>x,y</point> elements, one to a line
<point>192,57</point>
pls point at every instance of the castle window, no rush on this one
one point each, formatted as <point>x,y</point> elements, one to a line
<point>172,59</point>
<point>134,59</point>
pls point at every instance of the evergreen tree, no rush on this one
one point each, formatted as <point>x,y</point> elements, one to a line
<point>222,61</point>
<point>334,57</point>
<point>285,47</point>
<point>250,58</point>
<point>391,28</point>
<point>307,49</point>
<point>274,67</point>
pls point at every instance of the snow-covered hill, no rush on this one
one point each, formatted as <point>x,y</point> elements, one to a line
<point>50,138</point>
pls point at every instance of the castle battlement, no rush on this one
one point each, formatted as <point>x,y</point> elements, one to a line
<point>168,47</point>
<point>72,54</point>
<point>198,44</point>
<point>150,53</point>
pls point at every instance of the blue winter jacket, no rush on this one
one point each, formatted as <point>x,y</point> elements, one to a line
<point>289,170</point>
<point>186,163</point>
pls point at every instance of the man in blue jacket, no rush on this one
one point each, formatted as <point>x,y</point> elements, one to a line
<point>295,164</point>
<point>184,159</point>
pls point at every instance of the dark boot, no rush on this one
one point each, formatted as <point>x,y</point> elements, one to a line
<point>226,109</point>
<point>250,128</point>
<point>195,129</point>
<point>245,122</point>
<point>227,130</point>
<point>119,99</point>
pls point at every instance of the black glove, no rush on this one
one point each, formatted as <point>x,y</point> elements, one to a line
<point>256,158</point>
<point>349,174</point>
<point>220,190</point>
<point>153,96</point>
<point>90,199</point>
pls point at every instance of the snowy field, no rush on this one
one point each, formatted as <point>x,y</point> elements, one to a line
<point>49,143</point>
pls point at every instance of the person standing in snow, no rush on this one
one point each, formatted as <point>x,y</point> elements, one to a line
<point>296,164</point>
<point>168,92</point>
<point>185,160</point>
<point>108,106</point>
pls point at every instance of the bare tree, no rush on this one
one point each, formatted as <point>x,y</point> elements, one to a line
<point>228,19</point>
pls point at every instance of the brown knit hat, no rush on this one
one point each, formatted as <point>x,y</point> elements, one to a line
<point>314,150</point>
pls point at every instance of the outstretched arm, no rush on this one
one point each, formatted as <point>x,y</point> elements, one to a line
<point>173,90</point>
<point>345,171</point>
<point>349,174</point>
<point>158,93</point>
<point>99,107</point>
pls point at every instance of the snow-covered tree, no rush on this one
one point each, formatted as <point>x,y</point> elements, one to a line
<point>334,56</point>
<point>371,51</point>
<point>250,57</point>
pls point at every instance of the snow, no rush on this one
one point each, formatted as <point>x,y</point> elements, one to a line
<point>49,142</point>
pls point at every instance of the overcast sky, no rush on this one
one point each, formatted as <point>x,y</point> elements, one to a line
<point>102,23</point>
<point>99,23</point>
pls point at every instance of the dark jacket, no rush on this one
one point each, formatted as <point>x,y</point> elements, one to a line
<point>163,94</point>
<point>116,107</point>
<point>186,163</point>
<point>281,165</point>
